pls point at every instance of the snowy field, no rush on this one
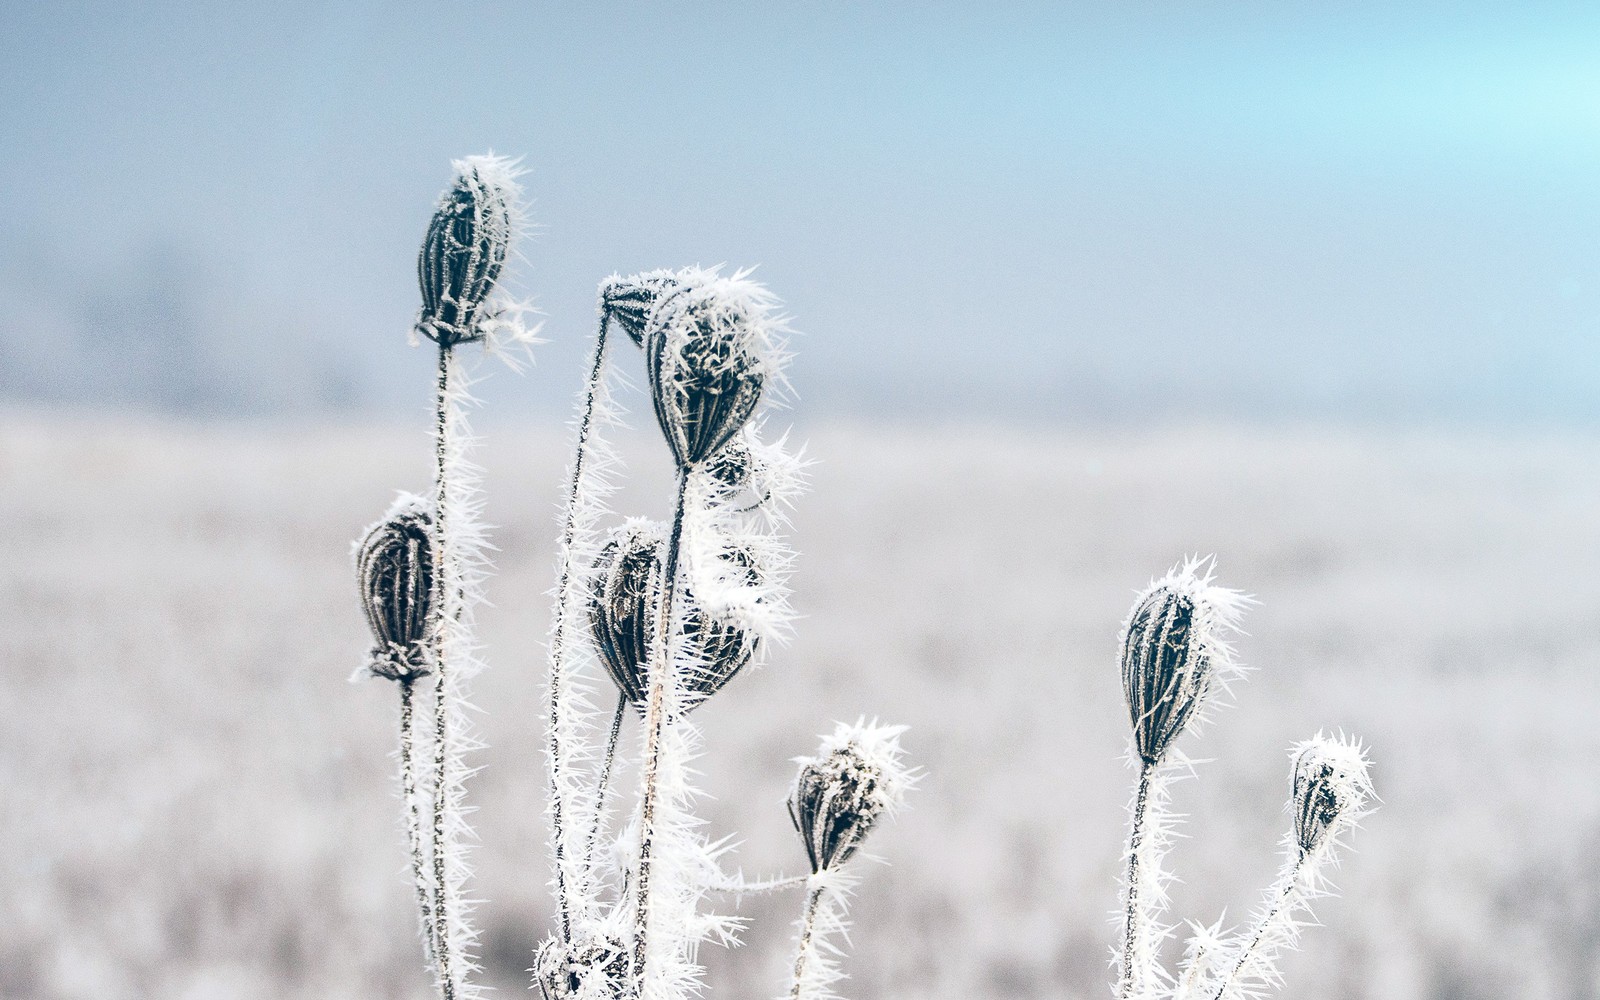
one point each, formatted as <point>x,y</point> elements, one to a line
<point>198,806</point>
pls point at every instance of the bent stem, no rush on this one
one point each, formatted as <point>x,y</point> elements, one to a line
<point>1281,909</point>
<point>808,933</point>
<point>408,792</point>
<point>661,674</point>
<point>557,749</point>
<point>605,776</point>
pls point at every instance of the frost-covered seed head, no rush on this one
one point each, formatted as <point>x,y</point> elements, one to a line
<point>394,565</point>
<point>629,300</point>
<point>710,350</point>
<point>839,795</point>
<point>1173,649</point>
<point>465,249</point>
<point>1331,786</point>
<point>561,971</point>
<point>626,584</point>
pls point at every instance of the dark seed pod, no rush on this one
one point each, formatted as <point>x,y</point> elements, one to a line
<point>1330,785</point>
<point>465,250</point>
<point>705,380</point>
<point>560,971</point>
<point>840,794</point>
<point>394,564</point>
<point>628,301</point>
<point>621,607</point>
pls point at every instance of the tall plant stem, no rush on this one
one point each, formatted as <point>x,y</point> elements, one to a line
<point>1280,904</point>
<point>661,674</point>
<point>558,641</point>
<point>808,930</point>
<point>605,775</point>
<point>408,792</point>
<point>1134,927</point>
<point>442,580</point>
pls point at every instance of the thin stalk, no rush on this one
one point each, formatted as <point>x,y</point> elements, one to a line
<point>408,792</point>
<point>1134,929</point>
<point>558,640</point>
<point>605,775</point>
<point>661,675</point>
<point>1290,882</point>
<point>441,715</point>
<point>808,930</point>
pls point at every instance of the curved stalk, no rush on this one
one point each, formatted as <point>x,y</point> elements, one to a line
<point>605,776</point>
<point>808,931</point>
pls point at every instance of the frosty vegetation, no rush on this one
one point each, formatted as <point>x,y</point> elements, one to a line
<point>667,612</point>
<point>652,617</point>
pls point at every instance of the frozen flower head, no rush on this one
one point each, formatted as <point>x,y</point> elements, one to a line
<point>856,777</point>
<point>711,348</point>
<point>465,249</point>
<point>626,584</point>
<point>1174,648</point>
<point>593,969</point>
<point>394,565</point>
<point>1331,788</point>
<point>628,300</point>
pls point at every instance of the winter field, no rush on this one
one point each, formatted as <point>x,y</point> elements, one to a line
<point>199,806</point>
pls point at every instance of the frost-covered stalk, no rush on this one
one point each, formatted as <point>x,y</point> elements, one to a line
<point>1173,651</point>
<point>458,269</point>
<point>1331,788</point>
<point>856,778</point>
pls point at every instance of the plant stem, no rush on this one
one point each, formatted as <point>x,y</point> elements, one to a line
<point>1291,881</point>
<point>661,674</point>
<point>441,700</point>
<point>558,640</point>
<point>808,929</point>
<point>408,792</point>
<point>1134,928</point>
<point>605,776</point>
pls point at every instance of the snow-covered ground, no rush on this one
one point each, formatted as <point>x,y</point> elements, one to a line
<point>196,804</point>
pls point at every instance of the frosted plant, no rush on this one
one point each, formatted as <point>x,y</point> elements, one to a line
<point>421,568</point>
<point>1176,660</point>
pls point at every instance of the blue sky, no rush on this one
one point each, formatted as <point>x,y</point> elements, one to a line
<point>1268,211</point>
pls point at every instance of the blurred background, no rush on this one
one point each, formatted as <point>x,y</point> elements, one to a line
<point>1082,289</point>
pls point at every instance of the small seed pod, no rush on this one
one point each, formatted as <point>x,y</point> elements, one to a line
<point>394,565</point>
<point>839,795</point>
<point>1331,786</point>
<point>1173,649</point>
<point>621,606</point>
<point>629,300</point>
<point>465,249</point>
<point>709,350</point>
<point>561,972</point>
<point>723,645</point>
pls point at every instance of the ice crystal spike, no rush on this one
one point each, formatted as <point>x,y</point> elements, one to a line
<point>709,352</point>
<point>1330,784</point>
<point>625,585</point>
<point>839,795</point>
<point>1173,648</point>
<point>394,563</point>
<point>465,249</point>
<point>562,971</point>
<point>629,300</point>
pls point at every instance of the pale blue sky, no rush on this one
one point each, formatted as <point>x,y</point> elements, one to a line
<point>1266,210</point>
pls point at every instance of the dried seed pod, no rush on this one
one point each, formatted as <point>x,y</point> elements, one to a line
<point>709,353</point>
<point>629,300</point>
<point>1173,648</point>
<point>1331,786</point>
<point>839,795</point>
<point>394,565</point>
<point>465,249</point>
<point>561,971</point>
<point>621,615</point>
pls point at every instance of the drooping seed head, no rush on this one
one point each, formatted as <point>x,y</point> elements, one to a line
<point>1174,651</point>
<point>1331,788</point>
<point>561,971</point>
<point>856,778</point>
<point>621,607</point>
<point>394,566</point>
<point>465,249</point>
<point>711,348</point>
<point>628,301</point>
